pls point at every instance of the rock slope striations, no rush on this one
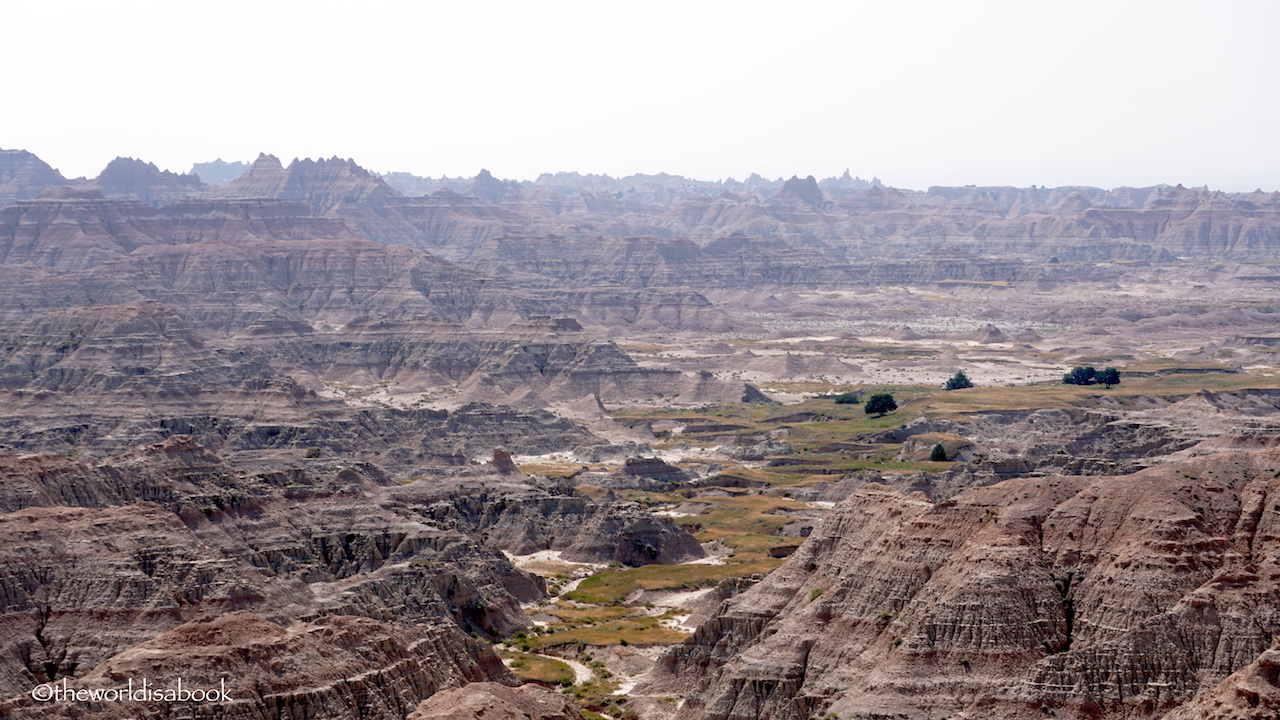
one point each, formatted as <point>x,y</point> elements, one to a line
<point>1123,596</point>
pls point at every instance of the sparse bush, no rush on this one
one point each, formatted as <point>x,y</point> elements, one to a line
<point>816,592</point>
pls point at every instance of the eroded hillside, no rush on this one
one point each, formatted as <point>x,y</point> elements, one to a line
<point>392,447</point>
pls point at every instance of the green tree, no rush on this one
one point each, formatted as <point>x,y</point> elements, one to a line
<point>939,453</point>
<point>880,404</point>
<point>1080,376</point>
<point>959,381</point>
<point>1109,377</point>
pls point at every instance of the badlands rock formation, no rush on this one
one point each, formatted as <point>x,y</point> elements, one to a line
<point>341,667</point>
<point>1122,596</point>
<point>493,701</point>
<point>273,425</point>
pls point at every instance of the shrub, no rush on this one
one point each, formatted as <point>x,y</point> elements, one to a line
<point>848,398</point>
<point>959,381</point>
<point>880,404</point>
<point>939,453</point>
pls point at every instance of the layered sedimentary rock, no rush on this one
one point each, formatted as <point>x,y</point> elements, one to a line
<point>75,233</point>
<point>24,176</point>
<point>1250,693</point>
<point>1124,596</point>
<point>859,220</point>
<point>340,667</point>
<point>83,584</point>
<point>138,180</point>
<point>493,701</point>
<point>322,185</point>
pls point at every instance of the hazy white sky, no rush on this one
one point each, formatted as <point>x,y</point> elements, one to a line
<point>1122,92</point>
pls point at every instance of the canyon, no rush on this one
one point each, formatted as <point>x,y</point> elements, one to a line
<point>364,445</point>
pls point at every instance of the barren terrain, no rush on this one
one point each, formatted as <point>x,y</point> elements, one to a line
<point>391,448</point>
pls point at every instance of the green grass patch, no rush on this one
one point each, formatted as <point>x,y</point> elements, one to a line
<point>634,631</point>
<point>528,666</point>
<point>573,616</point>
<point>614,587</point>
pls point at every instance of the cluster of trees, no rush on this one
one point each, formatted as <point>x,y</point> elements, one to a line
<point>1087,375</point>
<point>959,381</point>
<point>876,405</point>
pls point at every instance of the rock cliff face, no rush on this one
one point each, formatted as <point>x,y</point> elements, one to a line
<point>76,233</point>
<point>1070,597</point>
<point>493,701</point>
<point>166,562</point>
<point>524,517</point>
<point>1251,693</point>
<point>345,668</point>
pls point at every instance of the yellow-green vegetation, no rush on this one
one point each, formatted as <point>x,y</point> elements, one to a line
<point>613,587</point>
<point>745,523</point>
<point>550,469</point>
<point>632,631</point>
<point>572,615</point>
<point>740,522</point>
<point>827,440</point>
<point>528,666</point>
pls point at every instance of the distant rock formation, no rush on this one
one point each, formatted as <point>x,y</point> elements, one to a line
<point>806,189</point>
<point>132,179</point>
<point>24,176</point>
<point>324,185</point>
<point>488,187</point>
<point>219,172</point>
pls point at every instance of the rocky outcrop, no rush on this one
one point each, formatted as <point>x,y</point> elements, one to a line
<point>1120,596</point>
<point>487,187</point>
<point>325,186</point>
<point>24,176</point>
<point>80,585</point>
<point>345,668</point>
<point>493,701</point>
<point>1250,693</point>
<point>218,172</point>
<point>806,190</point>
<point>531,516</point>
<point>130,179</point>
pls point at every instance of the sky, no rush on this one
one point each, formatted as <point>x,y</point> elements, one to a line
<point>1122,92</point>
